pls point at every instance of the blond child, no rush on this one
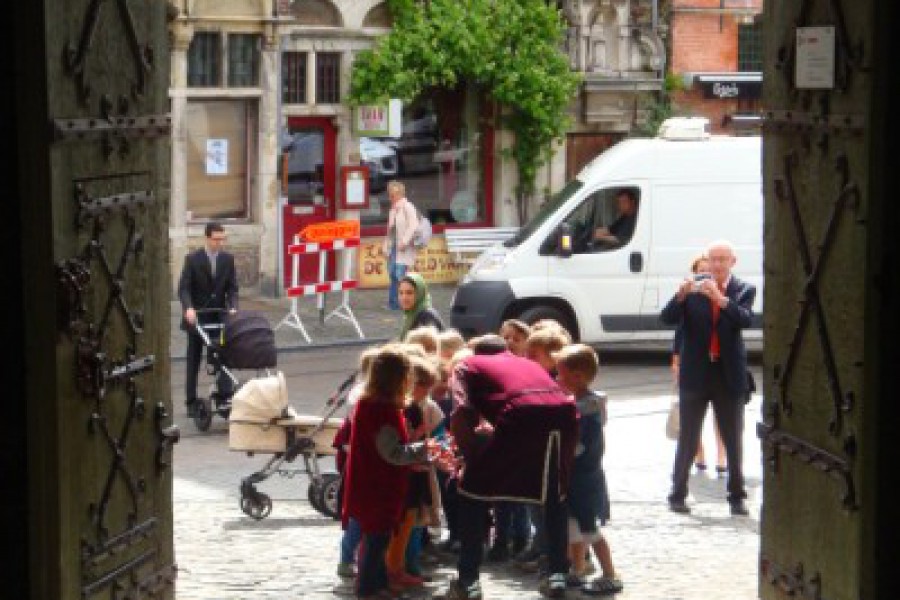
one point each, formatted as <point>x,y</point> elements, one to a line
<point>515,333</point>
<point>543,342</point>
<point>449,341</point>
<point>587,495</point>
<point>426,336</point>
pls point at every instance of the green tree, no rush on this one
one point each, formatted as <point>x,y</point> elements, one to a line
<point>508,49</point>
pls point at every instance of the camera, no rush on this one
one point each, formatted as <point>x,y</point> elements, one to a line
<point>699,278</point>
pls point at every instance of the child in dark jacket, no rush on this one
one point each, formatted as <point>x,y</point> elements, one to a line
<point>578,365</point>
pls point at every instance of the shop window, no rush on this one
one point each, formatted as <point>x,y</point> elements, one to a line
<point>204,60</point>
<point>328,78</point>
<point>750,47</point>
<point>243,59</point>
<point>219,153</point>
<point>293,77</point>
<point>439,157</point>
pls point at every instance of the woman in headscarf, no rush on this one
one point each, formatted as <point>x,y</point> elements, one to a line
<point>415,302</point>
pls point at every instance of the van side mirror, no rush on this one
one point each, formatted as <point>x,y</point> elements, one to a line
<point>564,241</point>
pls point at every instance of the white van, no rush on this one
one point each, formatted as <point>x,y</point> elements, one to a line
<point>691,188</point>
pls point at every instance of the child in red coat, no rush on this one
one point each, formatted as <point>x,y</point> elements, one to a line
<point>376,473</point>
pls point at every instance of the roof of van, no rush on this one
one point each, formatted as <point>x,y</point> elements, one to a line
<point>716,158</point>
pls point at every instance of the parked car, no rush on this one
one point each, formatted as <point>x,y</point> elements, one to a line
<point>381,160</point>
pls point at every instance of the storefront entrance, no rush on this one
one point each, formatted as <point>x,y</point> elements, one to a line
<point>308,183</point>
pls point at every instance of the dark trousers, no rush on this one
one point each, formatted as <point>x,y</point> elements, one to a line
<point>193,359</point>
<point>372,576</point>
<point>473,520</point>
<point>449,503</point>
<point>728,409</point>
<point>511,522</point>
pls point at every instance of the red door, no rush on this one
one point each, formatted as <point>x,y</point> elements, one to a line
<point>308,179</point>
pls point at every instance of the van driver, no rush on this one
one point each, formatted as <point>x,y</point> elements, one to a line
<point>622,228</point>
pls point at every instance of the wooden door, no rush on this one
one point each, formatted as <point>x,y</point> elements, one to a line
<point>91,131</point>
<point>828,428</point>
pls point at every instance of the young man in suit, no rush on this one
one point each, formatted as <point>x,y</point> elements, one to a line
<point>208,281</point>
<point>712,314</point>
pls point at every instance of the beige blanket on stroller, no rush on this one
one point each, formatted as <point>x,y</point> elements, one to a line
<point>261,418</point>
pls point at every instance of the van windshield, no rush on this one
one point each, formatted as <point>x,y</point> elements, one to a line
<point>547,209</point>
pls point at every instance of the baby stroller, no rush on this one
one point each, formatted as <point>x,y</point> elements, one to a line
<point>246,340</point>
<point>261,421</point>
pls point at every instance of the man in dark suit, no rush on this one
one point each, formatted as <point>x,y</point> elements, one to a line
<point>712,314</point>
<point>208,281</point>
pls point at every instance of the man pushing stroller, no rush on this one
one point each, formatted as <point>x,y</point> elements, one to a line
<point>207,290</point>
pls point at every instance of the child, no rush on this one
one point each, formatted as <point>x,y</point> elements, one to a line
<point>449,341</point>
<point>543,342</point>
<point>578,365</point>
<point>350,537</point>
<point>515,333</point>
<point>427,337</point>
<point>423,420</point>
<point>547,337</point>
<point>377,467</point>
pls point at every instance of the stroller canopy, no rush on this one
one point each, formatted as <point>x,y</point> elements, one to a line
<point>249,341</point>
<point>261,399</point>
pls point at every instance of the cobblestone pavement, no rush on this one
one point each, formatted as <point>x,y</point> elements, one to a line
<point>709,555</point>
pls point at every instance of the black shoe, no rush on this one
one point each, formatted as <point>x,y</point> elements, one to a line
<point>678,506</point>
<point>739,509</point>
<point>459,591</point>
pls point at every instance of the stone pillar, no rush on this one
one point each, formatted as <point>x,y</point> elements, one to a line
<point>180,40</point>
<point>267,188</point>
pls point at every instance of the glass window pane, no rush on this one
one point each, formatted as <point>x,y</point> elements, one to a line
<point>750,47</point>
<point>243,59</point>
<point>204,60</point>
<point>293,77</point>
<point>217,158</point>
<point>438,157</point>
<point>328,78</point>
<point>303,159</point>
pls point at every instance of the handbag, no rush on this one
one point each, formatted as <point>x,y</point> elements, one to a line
<point>673,423</point>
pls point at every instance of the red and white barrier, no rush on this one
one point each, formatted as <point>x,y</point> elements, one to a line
<point>297,290</point>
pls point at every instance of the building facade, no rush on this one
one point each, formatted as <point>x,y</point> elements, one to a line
<point>716,49</point>
<point>262,131</point>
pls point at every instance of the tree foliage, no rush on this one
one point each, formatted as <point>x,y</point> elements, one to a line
<point>508,49</point>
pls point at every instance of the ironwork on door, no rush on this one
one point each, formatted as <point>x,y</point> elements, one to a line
<point>109,159</point>
<point>815,140</point>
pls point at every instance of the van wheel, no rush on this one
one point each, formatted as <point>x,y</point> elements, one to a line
<point>536,313</point>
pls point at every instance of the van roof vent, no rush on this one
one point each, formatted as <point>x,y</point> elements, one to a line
<point>684,128</point>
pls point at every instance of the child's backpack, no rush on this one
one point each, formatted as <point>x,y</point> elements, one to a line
<point>423,231</point>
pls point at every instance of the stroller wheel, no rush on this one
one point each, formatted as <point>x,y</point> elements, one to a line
<point>258,506</point>
<point>328,492</point>
<point>314,495</point>
<point>222,404</point>
<point>203,415</point>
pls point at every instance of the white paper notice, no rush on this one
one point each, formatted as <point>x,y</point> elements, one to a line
<point>356,190</point>
<point>217,157</point>
<point>815,58</point>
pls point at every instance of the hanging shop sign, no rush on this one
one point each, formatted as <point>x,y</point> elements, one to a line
<point>727,87</point>
<point>379,120</point>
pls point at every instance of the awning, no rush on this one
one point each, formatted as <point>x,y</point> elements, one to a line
<point>725,86</point>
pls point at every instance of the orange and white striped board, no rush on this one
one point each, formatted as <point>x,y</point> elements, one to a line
<point>320,288</point>
<point>312,247</point>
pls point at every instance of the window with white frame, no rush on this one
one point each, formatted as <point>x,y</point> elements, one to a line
<point>205,60</point>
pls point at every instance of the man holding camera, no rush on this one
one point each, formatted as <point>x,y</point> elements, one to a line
<point>712,313</point>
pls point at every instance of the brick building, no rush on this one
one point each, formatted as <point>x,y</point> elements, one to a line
<point>716,49</point>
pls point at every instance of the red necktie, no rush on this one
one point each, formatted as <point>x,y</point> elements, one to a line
<point>714,338</point>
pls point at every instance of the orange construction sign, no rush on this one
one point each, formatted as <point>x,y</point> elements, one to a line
<point>329,231</point>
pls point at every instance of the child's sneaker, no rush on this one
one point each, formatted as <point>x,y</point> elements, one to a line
<point>554,586</point>
<point>459,591</point>
<point>346,570</point>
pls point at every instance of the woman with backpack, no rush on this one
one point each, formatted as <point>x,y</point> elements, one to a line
<point>399,244</point>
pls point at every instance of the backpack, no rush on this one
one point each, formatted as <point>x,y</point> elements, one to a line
<point>423,231</point>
